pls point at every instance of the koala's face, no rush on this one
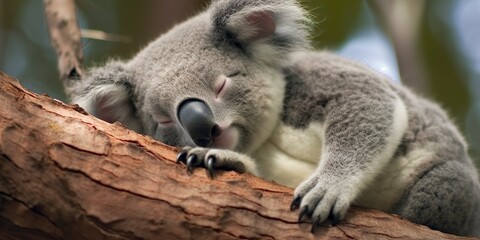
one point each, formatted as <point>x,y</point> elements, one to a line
<point>212,81</point>
<point>203,94</point>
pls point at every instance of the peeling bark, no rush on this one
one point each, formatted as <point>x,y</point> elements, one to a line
<point>65,174</point>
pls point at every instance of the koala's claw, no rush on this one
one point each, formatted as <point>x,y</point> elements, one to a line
<point>315,225</point>
<point>295,203</point>
<point>210,159</point>
<point>303,212</point>
<point>320,200</point>
<point>210,170</point>
<point>334,219</point>
<point>182,157</point>
<point>191,163</point>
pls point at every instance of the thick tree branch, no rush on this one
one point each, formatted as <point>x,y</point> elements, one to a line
<point>66,174</point>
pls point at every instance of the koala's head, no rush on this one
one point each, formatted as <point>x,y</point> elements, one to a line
<point>212,81</point>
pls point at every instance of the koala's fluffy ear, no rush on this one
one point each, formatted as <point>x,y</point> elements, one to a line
<point>107,93</point>
<point>265,29</point>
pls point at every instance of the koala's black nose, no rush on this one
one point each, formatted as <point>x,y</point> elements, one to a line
<point>197,119</point>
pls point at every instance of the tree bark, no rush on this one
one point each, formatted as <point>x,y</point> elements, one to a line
<point>68,175</point>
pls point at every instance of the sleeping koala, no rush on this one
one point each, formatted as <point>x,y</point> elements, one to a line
<point>238,88</point>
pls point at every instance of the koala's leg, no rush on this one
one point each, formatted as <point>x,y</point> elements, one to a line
<point>443,199</point>
<point>212,159</point>
<point>361,137</point>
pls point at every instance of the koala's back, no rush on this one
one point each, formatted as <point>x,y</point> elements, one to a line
<point>316,79</point>
<point>442,168</point>
<point>431,158</point>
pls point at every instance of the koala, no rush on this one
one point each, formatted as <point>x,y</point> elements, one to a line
<point>238,87</point>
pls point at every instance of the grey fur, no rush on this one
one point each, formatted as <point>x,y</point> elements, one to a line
<point>274,81</point>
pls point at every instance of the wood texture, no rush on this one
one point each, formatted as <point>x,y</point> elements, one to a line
<point>65,174</point>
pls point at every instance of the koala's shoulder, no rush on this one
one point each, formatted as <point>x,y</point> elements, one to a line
<point>327,63</point>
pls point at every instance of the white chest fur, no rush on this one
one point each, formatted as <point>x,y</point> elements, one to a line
<point>290,155</point>
<point>389,186</point>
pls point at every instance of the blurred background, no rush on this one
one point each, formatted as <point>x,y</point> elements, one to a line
<point>432,46</point>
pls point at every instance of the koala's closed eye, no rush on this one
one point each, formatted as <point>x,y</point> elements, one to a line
<point>162,120</point>
<point>222,82</point>
<point>234,74</point>
<point>219,87</point>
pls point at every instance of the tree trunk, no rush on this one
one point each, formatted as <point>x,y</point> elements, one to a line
<point>66,174</point>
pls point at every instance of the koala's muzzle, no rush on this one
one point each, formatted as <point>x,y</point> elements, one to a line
<point>197,119</point>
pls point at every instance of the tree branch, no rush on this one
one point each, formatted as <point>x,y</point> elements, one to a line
<point>66,39</point>
<point>401,21</point>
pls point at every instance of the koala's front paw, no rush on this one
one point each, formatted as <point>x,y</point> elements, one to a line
<point>210,159</point>
<point>321,198</point>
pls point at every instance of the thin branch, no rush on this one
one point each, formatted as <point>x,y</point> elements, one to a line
<point>401,21</point>
<point>66,39</point>
<point>104,36</point>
